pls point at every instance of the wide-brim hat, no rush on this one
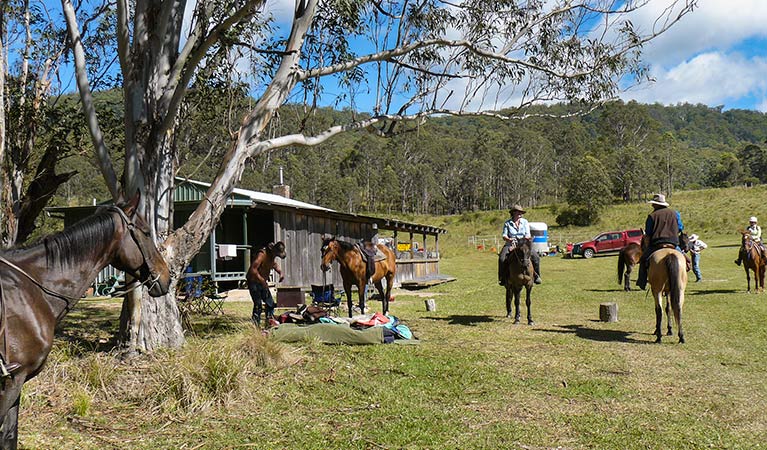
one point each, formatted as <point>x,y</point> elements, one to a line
<point>659,199</point>
<point>752,219</point>
<point>516,208</point>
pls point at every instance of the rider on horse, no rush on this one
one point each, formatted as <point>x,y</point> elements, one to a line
<point>514,229</point>
<point>662,229</point>
<point>756,237</point>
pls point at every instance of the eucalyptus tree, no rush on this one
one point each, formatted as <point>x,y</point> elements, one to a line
<point>395,59</point>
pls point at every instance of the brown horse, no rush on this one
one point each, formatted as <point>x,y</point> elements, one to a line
<point>353,267</point>
<point>627,259</point>
<point>667,275</point>
<point>753,259</point>
<point>40,284</point>
<point>519,273</point>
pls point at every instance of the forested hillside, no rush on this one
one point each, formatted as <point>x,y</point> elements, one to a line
<point>621,151</point>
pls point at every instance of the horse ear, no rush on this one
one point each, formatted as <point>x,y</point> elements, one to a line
<point>131,207</point>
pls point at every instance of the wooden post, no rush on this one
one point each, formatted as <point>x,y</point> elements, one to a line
<point>424,245</point>
<point>608,312</point>
<point>436,244</point>
<point>412,245</point>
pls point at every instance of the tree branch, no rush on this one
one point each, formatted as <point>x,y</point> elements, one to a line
<point>83,86</point>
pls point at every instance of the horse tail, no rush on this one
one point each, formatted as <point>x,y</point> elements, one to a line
<point>674,287</point>
<point>621,266</point>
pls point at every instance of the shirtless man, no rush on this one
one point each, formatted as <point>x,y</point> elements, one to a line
<point>257,277</point>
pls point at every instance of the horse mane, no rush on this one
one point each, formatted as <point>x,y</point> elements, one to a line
<point>81,239</point>
<point>345,246</point>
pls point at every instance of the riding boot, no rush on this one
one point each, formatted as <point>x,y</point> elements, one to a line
<point>536,260</point>
<point>502,264</point>
<point>642,277</point>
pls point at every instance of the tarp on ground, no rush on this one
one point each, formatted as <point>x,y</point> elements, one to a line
<point>328,333</point>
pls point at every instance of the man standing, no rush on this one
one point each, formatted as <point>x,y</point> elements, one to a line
<point>696,246</point>
<point>257,277</point>
<point>662,229</point>
<point>514,229</point>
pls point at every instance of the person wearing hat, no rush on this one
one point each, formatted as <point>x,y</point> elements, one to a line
<point>756,236</point>
<point>662,228</point>
<point>695,246</point>
<point>514,229</point>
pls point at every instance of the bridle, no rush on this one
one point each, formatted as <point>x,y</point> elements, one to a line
<point>129,287</point>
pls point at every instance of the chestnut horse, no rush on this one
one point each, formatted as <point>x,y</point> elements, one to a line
<point>753,259</point>
<point>627,259</point>
<point>519,273</point>
<point>667,275</point>
<point>40,284</point>
<point>353,268</point>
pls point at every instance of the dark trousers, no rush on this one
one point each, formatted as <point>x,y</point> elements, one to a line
<point>504,255</point>
<point>259,294</point>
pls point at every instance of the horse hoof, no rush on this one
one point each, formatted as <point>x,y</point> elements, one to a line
<point>657,340</point>
<point>669,333</point>
<point>508,316</point>
<point>516,321</point>
<point>681,340</point>
<point>530,322</point>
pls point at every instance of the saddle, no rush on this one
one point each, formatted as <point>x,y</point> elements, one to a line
<point>687,260</point>
<point>370,254</point>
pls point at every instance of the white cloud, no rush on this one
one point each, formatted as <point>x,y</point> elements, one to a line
<point>710,78</point>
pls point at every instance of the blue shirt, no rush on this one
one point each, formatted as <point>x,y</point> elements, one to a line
<point>511,231</point>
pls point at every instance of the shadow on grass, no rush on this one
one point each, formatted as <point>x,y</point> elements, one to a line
<point>466,320</point>
<point>595,335</point>
<point>713,291</point>
<point>620,289</point>
<point>92,328</point>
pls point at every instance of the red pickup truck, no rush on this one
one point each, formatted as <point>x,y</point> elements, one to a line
<point>612,241</point>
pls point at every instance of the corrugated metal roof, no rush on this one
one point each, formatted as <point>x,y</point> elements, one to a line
<point>191,190</point>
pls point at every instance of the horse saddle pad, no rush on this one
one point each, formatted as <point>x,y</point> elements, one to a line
<point>370,250</point>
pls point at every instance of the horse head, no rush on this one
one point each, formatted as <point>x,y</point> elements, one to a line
<point>137,254</point>
<point>277,249</point>
<point>329,251</point>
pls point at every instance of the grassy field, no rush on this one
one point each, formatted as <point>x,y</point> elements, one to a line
<point>474,380</point>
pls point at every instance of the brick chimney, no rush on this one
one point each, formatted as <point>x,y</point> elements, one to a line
<point>282,188</point>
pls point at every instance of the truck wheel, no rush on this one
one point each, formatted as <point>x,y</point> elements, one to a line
<point>588,253</point>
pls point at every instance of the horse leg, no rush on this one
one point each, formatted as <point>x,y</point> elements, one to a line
<point>508,302</point>
<point>761,278</point>
<point>627,278</point>
<point>349,304</point>
<point>387,296</point>
<point>363,291</point>
<point>517,312</point>
<point>529,302</point>
<point>748,279</point>
<point>678,315</point>
<point>9,408</point>
<point>658,315</point>
<point>380,290</point>
<point>668,317</point>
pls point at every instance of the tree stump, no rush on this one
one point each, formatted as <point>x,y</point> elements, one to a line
<point>431,305</point>
<point>608,312</point>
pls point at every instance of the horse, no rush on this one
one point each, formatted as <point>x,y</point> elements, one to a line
<point>753,259</point>
<point>519,273</point>
<point>41,283</point>
<point>627,259</point>
<point>353,267</point>
<point>667,275</point>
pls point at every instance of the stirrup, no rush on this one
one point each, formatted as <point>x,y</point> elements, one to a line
<point>6,370</point>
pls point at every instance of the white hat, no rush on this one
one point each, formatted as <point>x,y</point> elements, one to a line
<point>752,219</point>
<point>658,199</point>
<point>693,237</point>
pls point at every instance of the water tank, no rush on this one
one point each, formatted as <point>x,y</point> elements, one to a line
<point>540,233</point>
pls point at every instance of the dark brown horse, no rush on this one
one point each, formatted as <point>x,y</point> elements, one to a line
<point>627,259</point>
<point>41,283</point>
<point>667,275</point>
<point>753,260</point>
<point>519,273</point>
<point>352,268</point>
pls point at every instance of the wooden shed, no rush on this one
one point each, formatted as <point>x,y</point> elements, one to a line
<point>252,219</point>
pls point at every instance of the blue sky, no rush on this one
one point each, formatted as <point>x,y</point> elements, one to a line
<point>715,56</point>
